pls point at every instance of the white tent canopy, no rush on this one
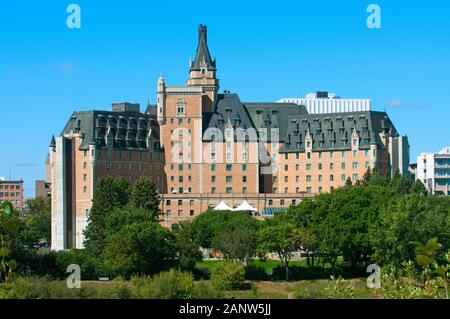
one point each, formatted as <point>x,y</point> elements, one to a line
<point>222,206</point>
<point>245,206</point>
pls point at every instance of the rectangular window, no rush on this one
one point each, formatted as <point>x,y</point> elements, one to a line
<point>213,190</point>
<point>355,177</point>
<point>343,165</point>
<point>308,167</point>
<point>355,165</point>
<point>308,178</point>
<point>355,153</point>
<point>229,179</point>
<point>229,167</point>
<point>180,179</point>
<point>297,179</point>
<point>229,190</point>
<point>244,167</point>
<point>343,154</point>
<point>320,154</point>
<point>320,166</point>
<point>320,178</point>
<point>343,178</point>
<point>180,167</point>
<point>244,179</point>
<point>320,189</point>
<point>366,153</point>
<point>297,167</point>
<point>286,167</point>
<point>308,190</point>
<point>213,167</point>
<point>244,190</point>
<point>331,166</point>
<point>213,179</point>
<point>286,179</point>
<point>331,178</point>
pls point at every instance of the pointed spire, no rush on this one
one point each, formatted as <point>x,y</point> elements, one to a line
<point>53,142</point>
<point>202,56</point>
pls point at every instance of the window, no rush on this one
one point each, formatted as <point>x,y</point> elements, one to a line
<point>286,167</point>
<point>308,190</point>
<point>286,156</point>
<point>168,213</point>
<point>229,179</point>
<point>320,178</point>
<point>180,179</point>
<point>297,167</point>
<point>244,179</point>
<point>355,177</point>
<point>281,202</point>
<point>308,155</point>
<point>244,167</point>
<point>168,202</point>
<point>84,165</point>
<point>84,189</point>
<point>308,178</point>
<point>180,167</point>
<point>343,154</point>
<point>320,166</point>
<point>320,189</point>
<point>320,154</point>
<point>343,165</point>
<point>180,213</point>
<point>213,179</point>
<point>180,107</point>
<point>355,153</point>
<point>270,202</point>
<point>331,154</point>
<point>229,190</point>
<point>244,190</point>
<point>343,178</point>
<point>331,178</point>
<point>286,190</point>
<point>172,178</point>
<point>308,167</point>
<point>366,153</point>
<point>297,156</point>
<point>191,213</point>
<point>229,167</point>
<point>331,166</point>
<point>84,177</point>
<point>367,164</point>
<point>274,179</point>
<point>213,167</point>
<point>213,190</point>
<point>355,165</point>
<point>286,179</point>
<point>297,179</point>
<point>297,190</point>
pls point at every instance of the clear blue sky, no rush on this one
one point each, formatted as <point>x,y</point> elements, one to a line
<point>265,50</point>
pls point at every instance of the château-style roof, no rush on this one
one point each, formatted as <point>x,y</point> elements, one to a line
<point>332,131</point>
<point>123,130</point>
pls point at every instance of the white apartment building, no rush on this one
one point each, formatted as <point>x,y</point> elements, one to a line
<point>325,102</point>
<point>433,169</point>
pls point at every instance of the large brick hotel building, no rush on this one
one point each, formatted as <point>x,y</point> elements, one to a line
<point>202,147</point>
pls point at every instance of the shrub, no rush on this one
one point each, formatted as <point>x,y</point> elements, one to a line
<point>228,276</point>
<point>205,290</point>
<point>173,284</point>
<point>255,272</point>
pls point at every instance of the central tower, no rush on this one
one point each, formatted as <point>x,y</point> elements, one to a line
<point>203,70</point>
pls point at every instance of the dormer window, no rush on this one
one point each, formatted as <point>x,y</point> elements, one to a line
<point>203,70</point>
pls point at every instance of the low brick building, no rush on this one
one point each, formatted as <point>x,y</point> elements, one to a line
<point>12,191</point>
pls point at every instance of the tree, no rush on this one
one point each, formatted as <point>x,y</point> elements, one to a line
<point>37,222</point>
<point>231,233</point>
<point>367,176</point>
<point>408,219</point>
<point>188,250</point>
<point>418,188</point>
<point>144,194</point>
<point>109,193</point>
<point>282,238</point>
<point>143,248</point>
<point>348,182</point>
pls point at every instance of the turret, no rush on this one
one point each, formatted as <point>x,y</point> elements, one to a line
<point>161,101</point>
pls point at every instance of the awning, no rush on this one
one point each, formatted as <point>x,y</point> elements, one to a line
<point>222,206</point>
<point>244,207</point>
